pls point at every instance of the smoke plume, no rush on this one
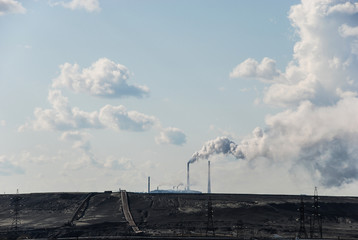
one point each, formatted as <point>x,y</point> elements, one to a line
<point>317,129</point>
<point>217,146</point>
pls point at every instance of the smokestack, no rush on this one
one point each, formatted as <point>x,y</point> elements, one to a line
<point>149,184</point>
<point>209,181</point>
<point>187,177</point>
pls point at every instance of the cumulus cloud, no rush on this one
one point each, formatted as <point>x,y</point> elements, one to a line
<point>104,78</point>
<point>8,167</point>
<point>324,59</point>
<point>347,31</point>
<point>88,5</point>
<point>317,129</point>
<point>171,136</point>
<point>347,8</point>
<point>63,117</point>
<point>81,141</point>
<point>250,68</point>
<point>118,164</point>
<point>11,6</point>
<point>117,117</point>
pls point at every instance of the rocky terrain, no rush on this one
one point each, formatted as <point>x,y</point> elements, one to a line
<point>243,216</point>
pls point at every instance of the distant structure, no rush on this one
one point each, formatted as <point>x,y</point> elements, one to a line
<point>209,180</point>
<point>15,203</point>
<point>187,177</point>
<point>302,231</point>
<point>148,184</point>
<point>173,191</point>
<point>316,218</point>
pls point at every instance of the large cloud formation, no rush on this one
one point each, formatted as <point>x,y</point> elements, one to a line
<point>104,78</point>
<point>11,6</point>
<point>318,130</point>
<point>324,59</point>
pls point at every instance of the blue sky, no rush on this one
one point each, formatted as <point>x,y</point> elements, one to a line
<point>99,95</point>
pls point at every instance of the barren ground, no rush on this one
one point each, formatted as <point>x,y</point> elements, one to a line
<point>234,215</point>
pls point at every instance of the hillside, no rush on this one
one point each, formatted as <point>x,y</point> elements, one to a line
<point>242,216</point>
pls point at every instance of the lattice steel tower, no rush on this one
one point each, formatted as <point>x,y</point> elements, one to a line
<point>316,218</point>
<point>15,203</point>
<point>302,231</point>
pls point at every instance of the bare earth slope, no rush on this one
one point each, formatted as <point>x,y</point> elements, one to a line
<point>234,215</point>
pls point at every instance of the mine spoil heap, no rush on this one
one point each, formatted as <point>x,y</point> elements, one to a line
<point>172,216</point>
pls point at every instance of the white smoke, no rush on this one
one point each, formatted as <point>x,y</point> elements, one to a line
<point>220,145</point>
<point>318,129</point>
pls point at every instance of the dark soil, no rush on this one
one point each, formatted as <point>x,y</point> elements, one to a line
<point>243,216</point>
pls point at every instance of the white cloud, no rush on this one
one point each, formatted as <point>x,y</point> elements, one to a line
<point>118,164</point>
<point>11,6</point>
<point>281,94</point>
<point>324,58</point>
<point>250,68</point>
<point>171,136</point>
<point>63,117</point>
<point>347,8</point>
<point>2,123</point>
<point>347,31</point>
<point>117,117</point>
<point>104,78</point>
<point>9,167</point>
<point>81,141</point>
<point>88,5</point>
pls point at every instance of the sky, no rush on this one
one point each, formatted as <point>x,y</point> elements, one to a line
<point>98,95</point>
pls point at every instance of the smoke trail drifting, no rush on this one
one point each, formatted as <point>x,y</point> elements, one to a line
<point>220,145</point>
<point>318,89</point>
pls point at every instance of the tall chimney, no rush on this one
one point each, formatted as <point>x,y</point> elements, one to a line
<point>148,184</point>
<point>209,181</point>
<point>187,177</point>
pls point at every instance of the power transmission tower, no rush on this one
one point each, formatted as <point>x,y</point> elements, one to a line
<point>210,222</point>
<point>302,231</point>
<point>316,218</point>
<point>15,203</point>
